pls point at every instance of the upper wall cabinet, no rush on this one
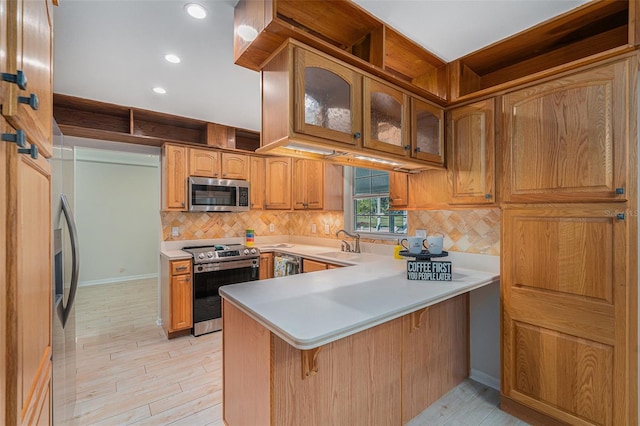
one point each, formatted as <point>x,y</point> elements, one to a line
<point>28,103</point>
<point>386,118</point>
<point>327,98</point>
<point>427,132</point>
<point>316,107</point>
<point>569,139</point>
<point>175,171</point>
<point>471,155</point>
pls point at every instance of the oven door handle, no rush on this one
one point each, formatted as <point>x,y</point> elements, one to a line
<point>224,266</point>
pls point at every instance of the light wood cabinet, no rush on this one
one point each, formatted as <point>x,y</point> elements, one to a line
<point>316,104</point>
<point>317,185</point>
<point>398,190</point>
<point>266,266</point>
<point>204,163</point>
<point>176,296</point>
<point>427,131</point>
<point>386,118</point>
<point>567,307</point>
<point>25,192</point>
<point>257,181</point>
<point>175,172</point>
<point>310,265</point>
<point>26,44</point>
<point>234,166</point>
<point>29,48</point>
<point>471,153</point>
<point>568,139</point>
<point>277,183</point>
<point>329,106</point>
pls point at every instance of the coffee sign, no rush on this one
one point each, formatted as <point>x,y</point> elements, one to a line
<point>428,271</point>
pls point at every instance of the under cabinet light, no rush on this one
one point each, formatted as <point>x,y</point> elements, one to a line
<point>312,150</point>
<point>159,90</point>
<point>376,160</point>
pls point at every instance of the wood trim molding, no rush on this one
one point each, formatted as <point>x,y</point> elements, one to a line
<point>527,414</point>
<point>309,360</point>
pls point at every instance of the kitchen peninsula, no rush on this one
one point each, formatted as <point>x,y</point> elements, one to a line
<point>354,345</point>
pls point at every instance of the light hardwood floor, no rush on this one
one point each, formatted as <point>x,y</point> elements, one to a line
<point>129,373</point>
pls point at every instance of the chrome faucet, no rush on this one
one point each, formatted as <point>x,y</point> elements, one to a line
<point>345,245</point>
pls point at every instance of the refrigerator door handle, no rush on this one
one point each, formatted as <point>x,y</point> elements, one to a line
<point>75,259</point>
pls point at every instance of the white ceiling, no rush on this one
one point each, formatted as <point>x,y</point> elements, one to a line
<point>113,51</point>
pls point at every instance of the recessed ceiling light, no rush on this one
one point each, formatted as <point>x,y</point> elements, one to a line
<point>246,32</point>
<point>170,57</point>
<point>196,10</point>
<point>159,90</point>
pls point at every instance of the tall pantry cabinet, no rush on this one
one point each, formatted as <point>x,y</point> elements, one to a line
<point>569,258</point>
<point>26,30</point>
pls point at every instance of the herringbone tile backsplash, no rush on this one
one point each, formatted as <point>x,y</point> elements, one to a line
<point>471,231</point>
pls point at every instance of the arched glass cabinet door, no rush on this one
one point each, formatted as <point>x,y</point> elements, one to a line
<point>427,132</point>
<point>328,99</point>
<point>386,118</point>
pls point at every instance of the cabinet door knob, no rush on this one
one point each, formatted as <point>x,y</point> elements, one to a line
<point>224,174</point>
<point>487,196</point>
<point>619,191</point>
<point>620,216</point>
<point>417,149</point>
<point>19,79</point>
<point>31,100</point>
<point>407,147</point>
<point>357,135</point>
<point>32,151</point>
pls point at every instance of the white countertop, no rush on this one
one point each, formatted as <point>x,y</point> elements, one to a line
<point>313,309</point>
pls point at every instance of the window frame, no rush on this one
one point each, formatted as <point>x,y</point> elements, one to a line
<point>349,198</point>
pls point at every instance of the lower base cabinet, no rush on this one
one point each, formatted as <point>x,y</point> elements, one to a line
<point>266,266</point>
<point>385,375</point>
<point>176,296</point>
<point>309,265</point>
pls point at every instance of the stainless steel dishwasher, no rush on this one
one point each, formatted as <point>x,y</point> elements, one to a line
<point>285,264</point>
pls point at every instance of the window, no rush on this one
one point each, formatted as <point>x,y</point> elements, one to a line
<point>369,204</point>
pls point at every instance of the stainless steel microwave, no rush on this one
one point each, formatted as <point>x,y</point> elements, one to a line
<point>218,195</point>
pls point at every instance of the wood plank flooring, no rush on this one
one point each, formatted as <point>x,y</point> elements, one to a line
<point>129,373</point>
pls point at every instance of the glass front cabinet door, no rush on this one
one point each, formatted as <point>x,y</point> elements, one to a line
<point>386,112</point>
<point>328,99</point>
<point>427,138</point>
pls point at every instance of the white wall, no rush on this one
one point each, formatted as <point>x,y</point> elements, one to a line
<point>117,215</point>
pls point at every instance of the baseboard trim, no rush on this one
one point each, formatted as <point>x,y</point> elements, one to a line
<point>529,415</point>
<point>485,379</point>
<point>117,279</point>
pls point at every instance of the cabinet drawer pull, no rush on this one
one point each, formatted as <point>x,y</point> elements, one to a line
<point>19,137</point>
<point>181,268</point>
<point>31,100</point>
<point>19,79</point>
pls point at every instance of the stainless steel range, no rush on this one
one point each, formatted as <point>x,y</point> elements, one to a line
<point>213,267</point>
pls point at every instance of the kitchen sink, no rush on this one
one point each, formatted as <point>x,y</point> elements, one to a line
<point>341,255</point>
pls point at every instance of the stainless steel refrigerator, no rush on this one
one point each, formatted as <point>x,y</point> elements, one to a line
<point>65,280</point>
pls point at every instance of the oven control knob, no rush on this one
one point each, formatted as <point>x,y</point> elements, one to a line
<point>200,268</point>
<point>210,254</point>
<point>201,256</point>
<point>253,251</point>
<point>246,251</point>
